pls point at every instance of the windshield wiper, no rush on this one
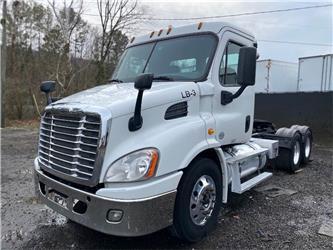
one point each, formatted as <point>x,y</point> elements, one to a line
<point>115,80</point>
<point>163,78</point>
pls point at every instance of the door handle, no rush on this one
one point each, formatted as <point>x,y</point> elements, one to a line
<point>247,123</point>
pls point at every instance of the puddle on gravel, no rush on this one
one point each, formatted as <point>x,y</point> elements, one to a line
<point>274,191</point>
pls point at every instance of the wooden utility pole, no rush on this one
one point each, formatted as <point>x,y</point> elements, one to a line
<point>3,62</point>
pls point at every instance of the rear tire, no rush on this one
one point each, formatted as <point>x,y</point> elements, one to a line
<point>307,147</point>
<point>290,158</point>
<point>198,201</point>
<point>307,140</point>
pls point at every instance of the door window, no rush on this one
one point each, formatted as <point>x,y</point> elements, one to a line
<point>229,64</point>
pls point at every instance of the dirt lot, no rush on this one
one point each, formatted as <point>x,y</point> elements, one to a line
<point>252,220</point>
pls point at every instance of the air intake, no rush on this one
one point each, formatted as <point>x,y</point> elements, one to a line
<point>176,111</point>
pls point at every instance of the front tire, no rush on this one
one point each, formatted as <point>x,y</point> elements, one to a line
<point>198,201</point>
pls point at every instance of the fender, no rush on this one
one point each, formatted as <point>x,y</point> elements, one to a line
<point>224,169</point>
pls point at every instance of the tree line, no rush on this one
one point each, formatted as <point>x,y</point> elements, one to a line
<point>55,42</point>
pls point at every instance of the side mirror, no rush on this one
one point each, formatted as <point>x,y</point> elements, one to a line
<point>47,87</point>
<point>144,81</point>
<point>246,72</point>
<point>141,83</point>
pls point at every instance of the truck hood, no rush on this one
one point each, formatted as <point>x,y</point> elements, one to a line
<point>120,98</point>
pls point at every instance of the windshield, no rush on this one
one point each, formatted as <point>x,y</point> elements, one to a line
<point>184,58</point>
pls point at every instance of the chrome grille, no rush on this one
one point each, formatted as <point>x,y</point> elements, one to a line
<point>68,143</point>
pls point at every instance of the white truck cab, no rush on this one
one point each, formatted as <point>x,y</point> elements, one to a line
<point>162,143</point>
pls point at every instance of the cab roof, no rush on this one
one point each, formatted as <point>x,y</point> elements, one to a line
<point>214,27</point>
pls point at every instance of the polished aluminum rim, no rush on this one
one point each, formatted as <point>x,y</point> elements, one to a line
<point>307,147</point>
<point>203,198</point>
<point>297,152</point>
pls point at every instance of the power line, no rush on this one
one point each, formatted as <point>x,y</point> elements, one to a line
<point>230,15</point>
<point>246,14</point>
<point>293,42</point>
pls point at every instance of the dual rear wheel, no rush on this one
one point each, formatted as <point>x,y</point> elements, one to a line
<point>300,148</point>
<point>306,144</point>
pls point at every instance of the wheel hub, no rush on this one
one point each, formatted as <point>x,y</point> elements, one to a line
<point>307,147</point>
<point>297,152</point>
<point>203,198</point>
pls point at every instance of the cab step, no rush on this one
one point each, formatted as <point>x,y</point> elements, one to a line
<point>239,189</point>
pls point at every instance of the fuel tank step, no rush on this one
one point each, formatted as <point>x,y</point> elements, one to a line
<point>244,160</point>
<point>239,189</point>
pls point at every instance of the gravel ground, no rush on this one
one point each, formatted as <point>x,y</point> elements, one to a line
<point>251,220</point>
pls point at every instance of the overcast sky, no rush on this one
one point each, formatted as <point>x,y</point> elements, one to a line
<point>305,26</point>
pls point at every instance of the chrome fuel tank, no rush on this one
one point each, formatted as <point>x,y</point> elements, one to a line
<point>250,164</point>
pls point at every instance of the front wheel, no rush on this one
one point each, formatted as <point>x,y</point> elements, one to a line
<point>198,201</point>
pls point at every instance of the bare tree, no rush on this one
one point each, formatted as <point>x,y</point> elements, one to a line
<point>69,21</point>
<point>116,17</point>
<point>45,43</point>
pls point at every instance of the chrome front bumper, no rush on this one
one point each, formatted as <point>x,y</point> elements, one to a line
<point>140,217</point>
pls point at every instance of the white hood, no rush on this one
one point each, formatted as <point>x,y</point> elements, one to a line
<point>120,98</point>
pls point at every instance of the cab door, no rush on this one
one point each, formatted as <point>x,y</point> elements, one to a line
<point>233,120</point>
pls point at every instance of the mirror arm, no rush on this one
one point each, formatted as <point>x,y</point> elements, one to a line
<point>227,97</point>
<point>142,82</point>
<point>239,92</point>
<point>48,98</point>
<point>135,122</point>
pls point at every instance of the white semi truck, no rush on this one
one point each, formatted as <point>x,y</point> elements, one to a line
<point>167,139</point>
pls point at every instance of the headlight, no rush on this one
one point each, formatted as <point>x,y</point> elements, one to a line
<point>139,165</point>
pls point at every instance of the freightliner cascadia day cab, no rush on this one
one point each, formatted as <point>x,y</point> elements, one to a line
<point>164,142</point>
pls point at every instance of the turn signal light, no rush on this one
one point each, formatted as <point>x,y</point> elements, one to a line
<point>211,131</point>
<point>153,164</point>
